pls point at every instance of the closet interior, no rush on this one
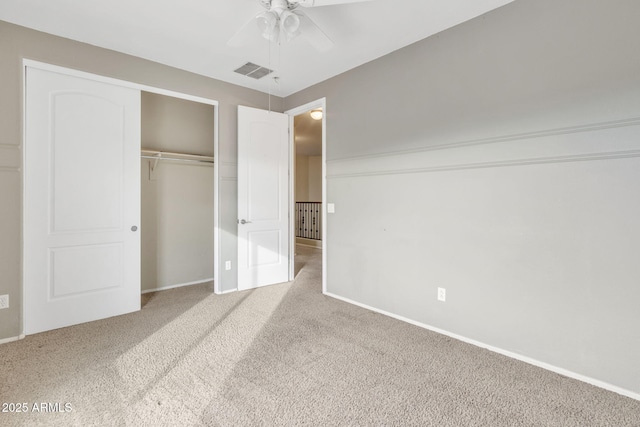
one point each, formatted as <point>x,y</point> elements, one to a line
<point>177,192</point>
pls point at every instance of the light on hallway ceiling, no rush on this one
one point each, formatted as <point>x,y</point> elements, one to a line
<point>316,114</point>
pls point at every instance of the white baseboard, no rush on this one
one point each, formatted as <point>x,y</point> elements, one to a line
<point>165,288</point>
<point>309,242</point>
<point>228,291</point>
<point>309,246</point>
<point>12,339</point>
<point>534,362</point>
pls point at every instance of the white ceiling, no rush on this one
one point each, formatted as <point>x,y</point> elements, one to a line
<point>192,34</point>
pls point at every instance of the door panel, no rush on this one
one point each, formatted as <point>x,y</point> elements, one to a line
<point>82,200</point>
<point>263,198</point>
<point>264,247</point>
<point>86,141</point>
<point>65,276</point>
<point>264,192</point>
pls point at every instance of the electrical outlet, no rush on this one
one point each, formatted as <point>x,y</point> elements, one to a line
<point>227,265</point>
<point>4,301</point>
<point>442,294</point>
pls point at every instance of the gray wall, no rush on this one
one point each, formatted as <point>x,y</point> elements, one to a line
<point>308,178</point>
<point>176,125</point>
<point>177,226</point>
<point>302,178</point>
<point>17,43</point>
<point>315,178</point>
<point>500,160</point>
<point>177,198</point>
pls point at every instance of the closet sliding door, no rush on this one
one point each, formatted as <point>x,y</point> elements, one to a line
<point>82,200</point>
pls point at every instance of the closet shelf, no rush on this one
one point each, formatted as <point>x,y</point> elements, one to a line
<point>176,157</point>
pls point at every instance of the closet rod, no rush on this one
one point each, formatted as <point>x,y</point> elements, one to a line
<point>177,160</point>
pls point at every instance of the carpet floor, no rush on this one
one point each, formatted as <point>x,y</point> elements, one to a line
<point>282,355</point>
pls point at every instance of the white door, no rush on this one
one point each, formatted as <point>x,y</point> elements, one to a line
<point>82,201</point>
<point>263,198</point>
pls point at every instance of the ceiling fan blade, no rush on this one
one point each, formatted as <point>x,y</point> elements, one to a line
<point>245,35</point>
<point>314,35</point>
<point>318,3</point>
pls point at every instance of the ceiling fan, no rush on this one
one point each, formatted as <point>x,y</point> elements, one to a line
<point>282,21</point>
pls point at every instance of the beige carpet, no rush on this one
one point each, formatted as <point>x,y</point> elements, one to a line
<point>282,355</point>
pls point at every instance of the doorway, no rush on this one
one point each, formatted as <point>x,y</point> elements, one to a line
<point>308,181</point>
<point>177,202</point>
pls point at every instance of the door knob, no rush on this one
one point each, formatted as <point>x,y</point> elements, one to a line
<point>243,221</point>
<point>134,228</point>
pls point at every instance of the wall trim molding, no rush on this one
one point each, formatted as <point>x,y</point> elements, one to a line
<point>570,374</point>
<point>10,169</point>
<point>634,121</point>
<point>613,155</point>
<point>12,339</point>
<point>180,285</point>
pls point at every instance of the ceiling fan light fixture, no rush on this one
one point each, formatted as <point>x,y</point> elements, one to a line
<point>289,24</point>
<point>267,24</point>
<point>316,114</point>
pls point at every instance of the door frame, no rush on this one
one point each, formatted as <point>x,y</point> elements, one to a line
<point>29,63</point>
<point>318,103</point>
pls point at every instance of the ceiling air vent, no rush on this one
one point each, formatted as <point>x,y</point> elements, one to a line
<point>254,71</point>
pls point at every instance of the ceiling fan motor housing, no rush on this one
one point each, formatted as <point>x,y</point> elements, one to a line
<point>282,5</point>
